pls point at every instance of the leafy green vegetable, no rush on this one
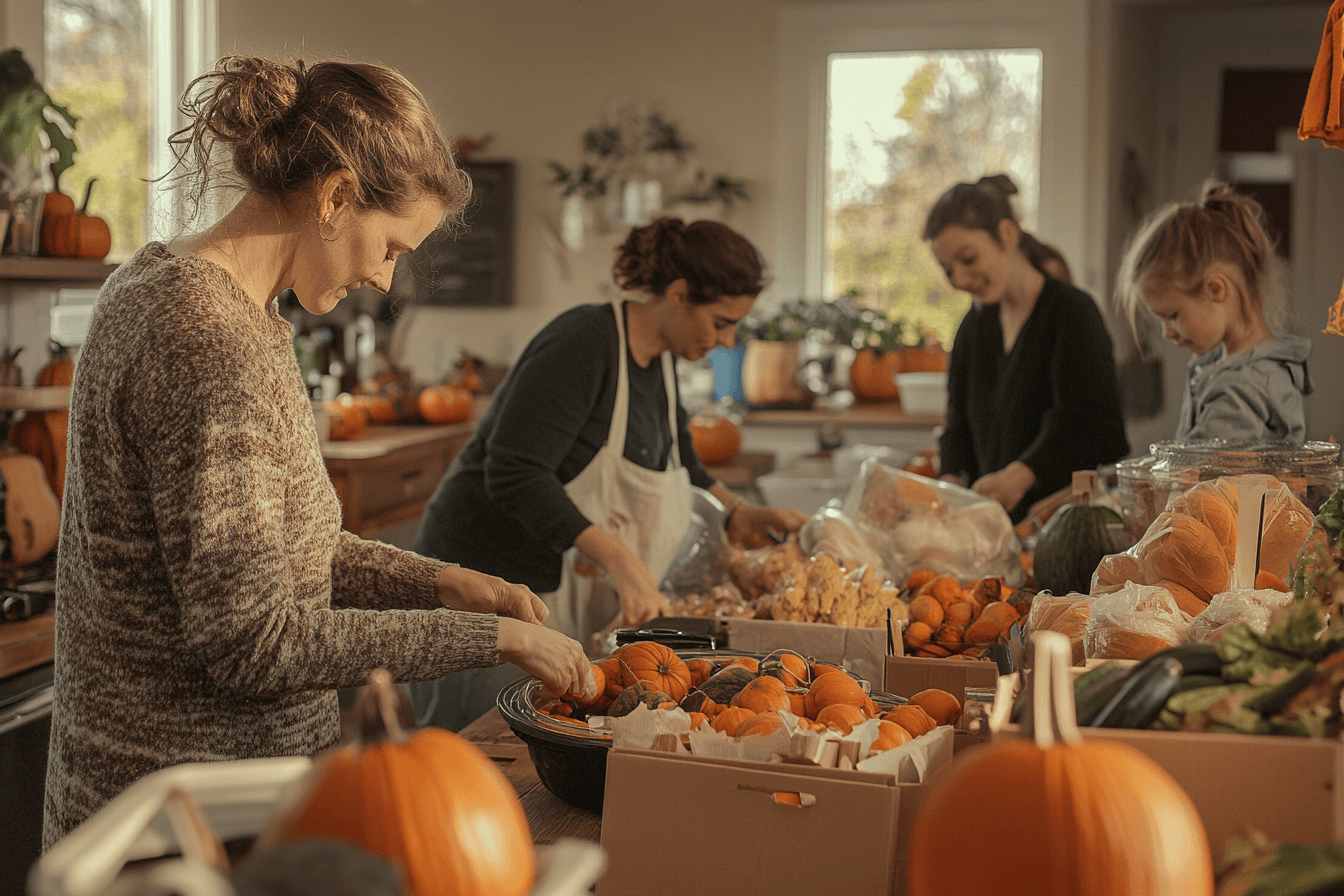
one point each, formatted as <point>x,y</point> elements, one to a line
<point>1252,866</point>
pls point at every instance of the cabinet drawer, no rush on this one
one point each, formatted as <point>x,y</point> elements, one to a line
<point>400,483</point>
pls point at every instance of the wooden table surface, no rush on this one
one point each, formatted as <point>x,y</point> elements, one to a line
<point>27,644</point>
<point>549,817</point>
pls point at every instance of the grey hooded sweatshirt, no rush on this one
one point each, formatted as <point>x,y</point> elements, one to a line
<point>1253,395</point>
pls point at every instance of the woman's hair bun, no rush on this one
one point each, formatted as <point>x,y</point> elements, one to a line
<point>1001,182</point>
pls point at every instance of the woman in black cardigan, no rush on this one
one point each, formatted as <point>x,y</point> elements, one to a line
<point>1032,389</point>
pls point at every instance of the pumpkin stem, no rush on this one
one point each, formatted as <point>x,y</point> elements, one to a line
<point>88,191</point>
<point>1053,715</point>
<point>382,711</point>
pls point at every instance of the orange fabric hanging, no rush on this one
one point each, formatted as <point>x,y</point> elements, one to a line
<point>1321,113</point>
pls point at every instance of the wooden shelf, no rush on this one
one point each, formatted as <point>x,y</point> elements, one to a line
<point>31,269</point>
<point>34,398</point>
<point>876,413</point>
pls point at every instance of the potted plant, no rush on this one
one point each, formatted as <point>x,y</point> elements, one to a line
<point>772,363</point>
<point>36,134</point>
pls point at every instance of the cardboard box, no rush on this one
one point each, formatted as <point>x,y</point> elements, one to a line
<point>907,675</point>
<point>860,650</point>
<point>1289,788</point>
<point>718,819</point>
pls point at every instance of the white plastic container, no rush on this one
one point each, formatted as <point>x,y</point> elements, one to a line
<point>189,809</point>
<point>799,491</point>
<point>923,393</point>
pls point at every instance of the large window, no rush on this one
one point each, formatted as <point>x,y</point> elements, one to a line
<point>120,66</point>
<point>901,128</point>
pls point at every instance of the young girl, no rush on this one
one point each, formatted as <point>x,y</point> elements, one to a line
<point>1202,269</point>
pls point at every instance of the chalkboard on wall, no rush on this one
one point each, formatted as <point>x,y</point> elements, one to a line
<point>473,266</point>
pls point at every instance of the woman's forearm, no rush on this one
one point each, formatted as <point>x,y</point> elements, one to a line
<point>640,598</point>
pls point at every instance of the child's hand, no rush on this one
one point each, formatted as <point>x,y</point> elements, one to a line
<point>1007,486</point>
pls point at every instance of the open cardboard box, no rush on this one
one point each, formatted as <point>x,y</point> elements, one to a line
<point>1289,788</point>
<point>719,818</point>
<point>860,650</point>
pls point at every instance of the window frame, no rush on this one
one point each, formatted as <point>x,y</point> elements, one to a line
<point>184,42</point>
<point>809,34</point>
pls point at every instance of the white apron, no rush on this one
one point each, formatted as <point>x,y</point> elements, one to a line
<point>648,510</point>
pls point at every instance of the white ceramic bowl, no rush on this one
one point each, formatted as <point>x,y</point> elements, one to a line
<point>923,393</point>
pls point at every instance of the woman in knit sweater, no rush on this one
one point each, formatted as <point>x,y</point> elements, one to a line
<point>209,604</point>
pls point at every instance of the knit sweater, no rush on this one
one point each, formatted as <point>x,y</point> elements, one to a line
<point>208,602</point>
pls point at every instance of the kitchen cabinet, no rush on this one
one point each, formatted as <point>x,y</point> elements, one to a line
<point>387,475</point>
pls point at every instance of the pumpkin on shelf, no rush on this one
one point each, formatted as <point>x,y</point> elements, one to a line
<point>44,434</point>
<point>428,800</point>
<point>715,436</point>
<point>349,418</point>
<point>928,357</point>
<point>77,235</point>
<point>872,374</point>
<point>444,403</point>
<point>1088,816</point>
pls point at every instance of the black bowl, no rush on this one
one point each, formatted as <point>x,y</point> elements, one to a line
<point>571,761</point>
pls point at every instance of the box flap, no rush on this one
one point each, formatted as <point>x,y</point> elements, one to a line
<point>909,675</point>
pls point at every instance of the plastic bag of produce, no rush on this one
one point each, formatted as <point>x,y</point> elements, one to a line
<point>830,531</point>
<point>1067,614</point>
<point>1251,607</point>
<point>919,522</point>
<point>702,558</point>
<point>1134,622</point>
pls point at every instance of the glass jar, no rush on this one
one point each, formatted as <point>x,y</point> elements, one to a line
<point>1145,485</point>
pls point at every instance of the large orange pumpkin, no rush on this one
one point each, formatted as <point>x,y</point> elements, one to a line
<point>76,235</point>
<point>715,438</point>
<point>872,375</point>
<point>428,800</point>
<point>1089,818</point>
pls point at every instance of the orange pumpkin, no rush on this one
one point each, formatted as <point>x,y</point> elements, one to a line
<point>872,375</point>
<point>589,695</point>
<point>427,800</point>
<point>445,403</point>
<point>928,358</point>
<point>890,735</point>
<point>789,667</point>
<point>348,419</point>
<point>715,438</point>
<point>841,716</point>
<point>656,666</point>
<point>77,235</point>
<point>912,718</point>
<point>730,719</point>
<point>761,723</point>
<point>830,689</point>
<point>762,695</point>
<point>941,706</point>
<point>1088,817</point>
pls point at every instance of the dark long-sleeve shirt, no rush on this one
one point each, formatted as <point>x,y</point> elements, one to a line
<point>502,507</point>
<point>1053,402</point>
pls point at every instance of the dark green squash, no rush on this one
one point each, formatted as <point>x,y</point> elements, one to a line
<point>722,686</point>
<point>637,695</point>
<point>1074,541</point>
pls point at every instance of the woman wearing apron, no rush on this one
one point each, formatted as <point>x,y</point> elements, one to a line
<point>577,481</point>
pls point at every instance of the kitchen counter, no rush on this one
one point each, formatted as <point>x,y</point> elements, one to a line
<point>863,414</point>
<point>27,644</point>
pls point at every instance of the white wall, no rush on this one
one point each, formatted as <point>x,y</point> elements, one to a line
<point>536,75</point>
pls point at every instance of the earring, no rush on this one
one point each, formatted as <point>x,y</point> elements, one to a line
<point>326,222</point>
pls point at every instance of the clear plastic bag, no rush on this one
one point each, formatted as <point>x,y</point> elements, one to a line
<point>914,522</point>
<point>702,558</point>
<point>1251,607</point>
<point>1134,622</point>
<point>1067,614</point>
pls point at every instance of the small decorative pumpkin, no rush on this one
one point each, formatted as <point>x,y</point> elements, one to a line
<point>655,666</point>
<point>349,419</point>
<point>1088,817</point>
<point>722,686</point>
<point>446,403</point>
<point>841,716</point>
<point>31,513</point>
<point>77,235</point>
<point>1075,540</point>
<point>831,688</point>
<point>927,358</point>
<point>872,375</point>
<point>715,437</point>
<point>428,800</point>
<point>637,695</point>
<point>762,695</point>
<point>789,667</point>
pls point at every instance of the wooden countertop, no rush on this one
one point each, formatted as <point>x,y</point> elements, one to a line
<point>549,817</point>
<point>864,413</point>
<point>27,644</point>
<point>378,441</point>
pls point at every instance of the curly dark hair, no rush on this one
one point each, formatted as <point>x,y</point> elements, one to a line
<point>715,260</point>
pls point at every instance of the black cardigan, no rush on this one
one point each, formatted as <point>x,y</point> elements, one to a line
<point>1053,402</point>
<point>501,508</point>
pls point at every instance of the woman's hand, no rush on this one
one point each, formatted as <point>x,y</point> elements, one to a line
<point>558,660</point>
<point>749,526</point>
<point>640,598</point>
<point>1007,486</point>
<point>475,592</point>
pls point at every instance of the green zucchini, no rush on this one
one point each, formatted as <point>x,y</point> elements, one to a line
<point>1195,659</point>
<point>1094,689</point>
<point>1141,696</point>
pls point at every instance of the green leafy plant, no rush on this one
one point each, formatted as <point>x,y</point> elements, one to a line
<point>31,123</point>
<point>720,188</point>
<point>846,322</point>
